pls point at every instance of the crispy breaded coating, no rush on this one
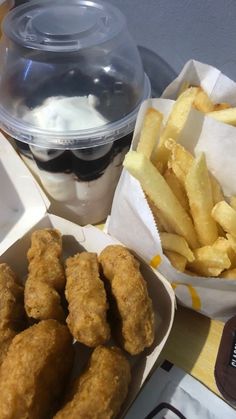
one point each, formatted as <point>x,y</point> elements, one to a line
<point>46,278</point>
<point>101,390</point>
<point>12,313</point>
<point>34,373</point>
<point>129,290</point>
<point>85,293</point>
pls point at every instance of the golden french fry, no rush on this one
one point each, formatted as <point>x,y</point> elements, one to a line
<point>199,193</point>
<point>177,188</point>
<point>155,186</point>
<point>224,245</point>
<point>217,193</point>
<point>177,261</point>
<point>160,221</point>
<point>232,241</point>
<point>229,274</point>
<point>220,106</point>
<point>225,215</point>
<point>184,86</point>
<point>209,261</point>
<point>150,132</point>
<point>233,202</point>
<point>202,102</point>
<point>176,244</point>
<point>228,116</point>
<point>217,196</point>
<point>175,124</point>
<point>180,160</point>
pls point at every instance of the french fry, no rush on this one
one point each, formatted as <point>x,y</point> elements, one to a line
<point>217,193</point>
<point>155,186</point>
<point>176,244</point>
<point>175,124</point>
<point>160,221</point>
<point>209,261</point>
<point>229,274</point>
<point>199,193</point>
<point>233,202</point>
<point>225,215</point>
<point>150,132</point>
<point>232,241</point>
<point>177,188</point>
<point>220,106</point>
<point>177,261</point>
<point>217,196</point>
<point>180,160</point>
<point>228,116</point>
<point>224,245</point>
<point>202,102</point>
<point>184,86</point>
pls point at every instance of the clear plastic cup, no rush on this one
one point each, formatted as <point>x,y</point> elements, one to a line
<point>71,83</point>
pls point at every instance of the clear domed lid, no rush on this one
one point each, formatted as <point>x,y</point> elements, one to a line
<point>70,74</point>
<point>62,25</point>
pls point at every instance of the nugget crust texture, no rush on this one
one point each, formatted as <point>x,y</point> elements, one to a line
<point>12,313</point>
<point>33,374</point>
<point>129,291</point>
<point>101,390</point>
<point>85,293</point>
<point>46,278</point>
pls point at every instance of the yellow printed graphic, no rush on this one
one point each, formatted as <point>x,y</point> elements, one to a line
<point>155,261</point>
<point>196,302</point>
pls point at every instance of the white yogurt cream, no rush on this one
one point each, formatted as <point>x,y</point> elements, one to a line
<point>72,196</point>
<point>60,113</point>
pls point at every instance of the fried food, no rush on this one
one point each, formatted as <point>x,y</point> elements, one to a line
<point>158,190</point>
<point>174,125</point>
<point>35,370</point>
<point>129,290</point>
<point>177,244</point>
<point>85,293</point>
<point>150,132</point>
<point>101,389</point>
<point>198,187</point>
<point>12,313</point>
<point>46,279</point>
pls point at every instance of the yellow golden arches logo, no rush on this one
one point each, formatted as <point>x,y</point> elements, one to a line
<point>196,302</point>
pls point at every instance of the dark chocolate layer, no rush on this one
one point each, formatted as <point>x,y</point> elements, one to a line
<point>86,164</point>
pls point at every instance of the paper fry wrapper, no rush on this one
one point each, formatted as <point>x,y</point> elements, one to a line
<point>131,220</point>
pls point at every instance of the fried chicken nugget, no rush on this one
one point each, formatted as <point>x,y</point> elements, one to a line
<point>101,390</point>
<point>33,374</point>
<point>86,296</point>
<point>129,290</point>
<point>46,278</point>
<point>12,313</point>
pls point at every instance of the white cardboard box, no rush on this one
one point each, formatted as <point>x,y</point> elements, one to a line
<point>23,209</point>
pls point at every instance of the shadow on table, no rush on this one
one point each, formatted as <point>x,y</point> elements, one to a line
<point>187,338</point>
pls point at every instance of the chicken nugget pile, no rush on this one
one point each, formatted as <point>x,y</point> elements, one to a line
<point>106,297</point>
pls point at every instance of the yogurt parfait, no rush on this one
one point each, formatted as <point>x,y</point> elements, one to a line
<point>71,83</point>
